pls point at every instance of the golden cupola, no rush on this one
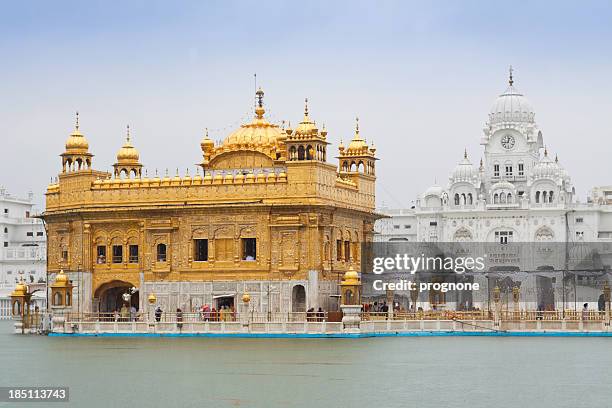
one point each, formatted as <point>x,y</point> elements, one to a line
<point>306,142</point>
<point>128,160</point>
<point>76,157</point>
<point>207,145</point>
<point>357,157</point>
<point>254,144</point>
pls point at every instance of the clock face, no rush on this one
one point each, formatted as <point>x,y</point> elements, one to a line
<point>508,141</point>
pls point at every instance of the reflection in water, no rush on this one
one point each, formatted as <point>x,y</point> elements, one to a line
<point>379,372</point>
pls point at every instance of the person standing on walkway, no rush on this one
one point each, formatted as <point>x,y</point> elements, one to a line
<point>179,318</point>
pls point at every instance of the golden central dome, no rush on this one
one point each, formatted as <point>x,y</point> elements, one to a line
<point>259,132</point>
<point>128,153</point>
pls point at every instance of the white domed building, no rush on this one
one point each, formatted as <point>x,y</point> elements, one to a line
<point>518,193</point>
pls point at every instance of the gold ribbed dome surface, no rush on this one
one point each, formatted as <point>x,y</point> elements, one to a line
<point>128,153</point>
<point>257,133</point>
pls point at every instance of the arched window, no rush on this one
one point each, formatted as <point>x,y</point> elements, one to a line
<point>537,197</point>
<point>544,197</point>
<point>456,199</point>
<point>161,252</point>
<point>496,198</point>
<point>502,198</point>
<point>509,199</point>
<point>301,153</point>
<point>292,153</point>
<point>463,199</point>
<point>470,199</point>
<point>550,196</point>
<point>57,299</point>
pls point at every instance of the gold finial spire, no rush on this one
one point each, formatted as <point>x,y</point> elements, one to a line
<point>305,107</point>
<point>465,153</point>
<point>510,79</point>
<point>481,164</point>
<point>545,151</point>
<point>76,125</point>
<point>259,109</point>
<point>556,158</point>
<point>128,134</point>
<point>357,125</point>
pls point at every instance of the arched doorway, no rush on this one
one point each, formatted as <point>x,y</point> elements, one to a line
<point>110,296</point>
<point>298,299</point>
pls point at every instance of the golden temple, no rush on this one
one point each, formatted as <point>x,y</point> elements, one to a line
<point>265,215</point>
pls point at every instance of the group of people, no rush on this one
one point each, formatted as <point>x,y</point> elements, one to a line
<point>382,307</point>
<point>126,314</point>
<point>315,316</point>
<point>224,314</point>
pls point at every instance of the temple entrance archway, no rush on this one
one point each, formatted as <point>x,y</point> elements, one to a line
<point>110,296</point>
<point>298,299</point>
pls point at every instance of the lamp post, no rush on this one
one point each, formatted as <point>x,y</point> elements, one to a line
<point>606,293</point>
<point>152,299</point>
<point>246,299</point>
<point>497,310</point>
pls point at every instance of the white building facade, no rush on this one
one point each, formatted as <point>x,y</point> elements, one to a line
<point>519,192</point>
<point>23,248</point>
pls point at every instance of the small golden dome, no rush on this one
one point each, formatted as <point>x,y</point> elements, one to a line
<point>61,277</point>
<point>351,276</point>
<point>306,126</point>
<point>152,298</point>
<point>207,143</point>
<point>77,143</point>
<point>20,289</point>
<point>128,153</point>
<point>246,298</point>
<point>358,144</point>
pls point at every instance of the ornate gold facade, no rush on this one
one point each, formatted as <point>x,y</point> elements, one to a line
<point>265,207</point>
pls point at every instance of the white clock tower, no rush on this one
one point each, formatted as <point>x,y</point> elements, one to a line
<point>511,139</point>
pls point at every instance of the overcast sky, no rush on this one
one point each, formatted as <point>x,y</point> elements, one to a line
<point>420,76</point>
